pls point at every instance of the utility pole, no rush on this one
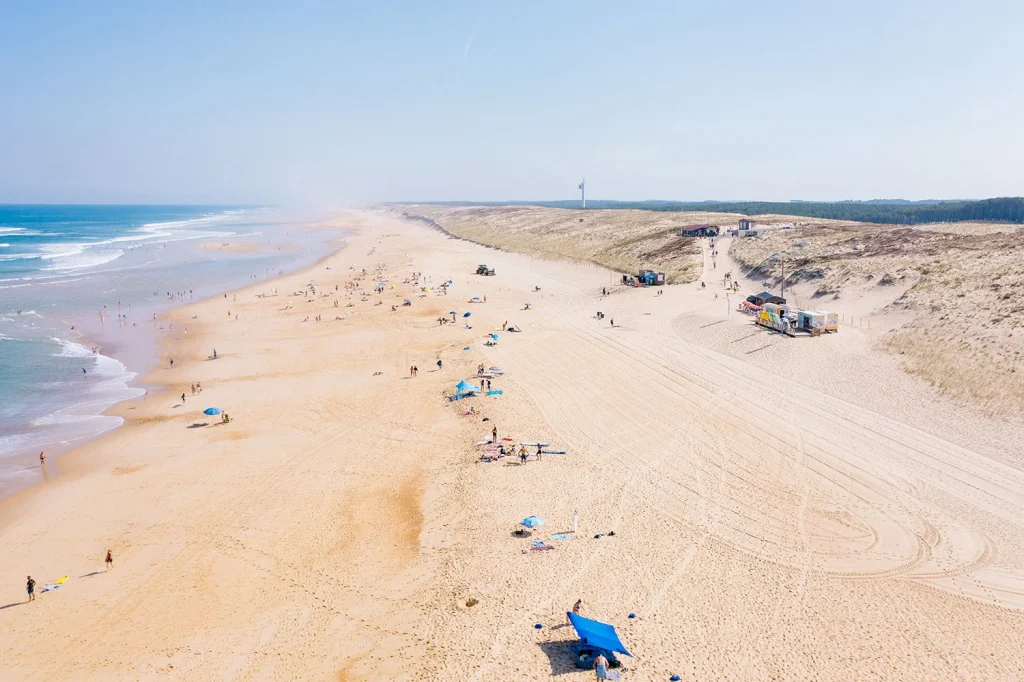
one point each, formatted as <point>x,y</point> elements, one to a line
<point>583,192</point>
<point>783,278</point>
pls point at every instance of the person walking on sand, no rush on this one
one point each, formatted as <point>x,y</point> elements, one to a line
<point>494,434</point>
<point>539,451</point>
<point>42,458</point>
<point>172,362</point>
<point>110,559</point>
<point>601,667</point>
<point>182,397</point>
<point>31,587</point>
<point>575,610</point>
<point>439,364</point>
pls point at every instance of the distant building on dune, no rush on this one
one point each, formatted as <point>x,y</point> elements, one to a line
<point>747,223</point>
<point>699,231</point>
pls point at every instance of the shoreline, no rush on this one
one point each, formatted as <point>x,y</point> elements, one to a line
<point>152,344</point>
<point>343,526</point>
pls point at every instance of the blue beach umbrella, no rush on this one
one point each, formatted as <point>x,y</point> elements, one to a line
<point>495,337</point>
<point>533,521</point>
<point>466,314</point>
<point>211,411</point>
<point>466,387</point>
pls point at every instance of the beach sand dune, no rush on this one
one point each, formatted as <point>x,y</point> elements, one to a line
<point>768,523</point>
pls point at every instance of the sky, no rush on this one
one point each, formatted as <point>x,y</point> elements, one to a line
<point>345,103</point>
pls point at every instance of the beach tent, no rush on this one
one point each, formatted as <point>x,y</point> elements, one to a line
<point>766,297</point>
<point>466,387</point>
<point>598,634</point>
<point>533,521</point>
<point>495,337</point>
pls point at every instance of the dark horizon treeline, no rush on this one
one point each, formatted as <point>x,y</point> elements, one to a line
<point>893,212</point>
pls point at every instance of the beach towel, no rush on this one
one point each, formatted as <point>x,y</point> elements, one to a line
<point>496,391</point>
<point>559,536</point>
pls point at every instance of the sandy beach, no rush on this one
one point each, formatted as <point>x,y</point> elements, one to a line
<point>781,511</point>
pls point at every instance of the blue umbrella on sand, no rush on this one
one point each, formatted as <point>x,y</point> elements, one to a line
<point>211,411</point>
<point>466,314</point>
<point>533,521</point>
<point>466,387</point>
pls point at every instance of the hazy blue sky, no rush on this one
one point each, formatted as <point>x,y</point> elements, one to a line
<point>337,102</point>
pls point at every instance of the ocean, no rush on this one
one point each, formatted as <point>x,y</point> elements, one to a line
<point>79,286</point>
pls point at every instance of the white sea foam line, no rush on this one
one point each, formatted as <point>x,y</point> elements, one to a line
<point>147,233</point>
<point>11,230</point>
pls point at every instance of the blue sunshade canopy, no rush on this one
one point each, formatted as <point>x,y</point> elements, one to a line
<point>465,387</point>
<point>598,634</point>
<point>211,411</point>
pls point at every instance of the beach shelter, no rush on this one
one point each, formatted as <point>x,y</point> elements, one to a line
<point>466,387</point>
<point>598,634</point>
<point>211,411</point>
<point>495,337</point>
<point>533,521</point>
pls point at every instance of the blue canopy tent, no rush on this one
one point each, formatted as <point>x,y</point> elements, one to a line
<point>466,387</point>
<point>595,635</point>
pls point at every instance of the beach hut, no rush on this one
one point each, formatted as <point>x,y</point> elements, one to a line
<point>775,316</point>
<point>831,321</point>
<point>651,278</point>
<point>811,322</point>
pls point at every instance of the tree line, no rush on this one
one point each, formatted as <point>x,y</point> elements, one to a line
<point>892,212</point>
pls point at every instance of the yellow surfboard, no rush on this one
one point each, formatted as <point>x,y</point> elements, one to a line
<point>61,581</point>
